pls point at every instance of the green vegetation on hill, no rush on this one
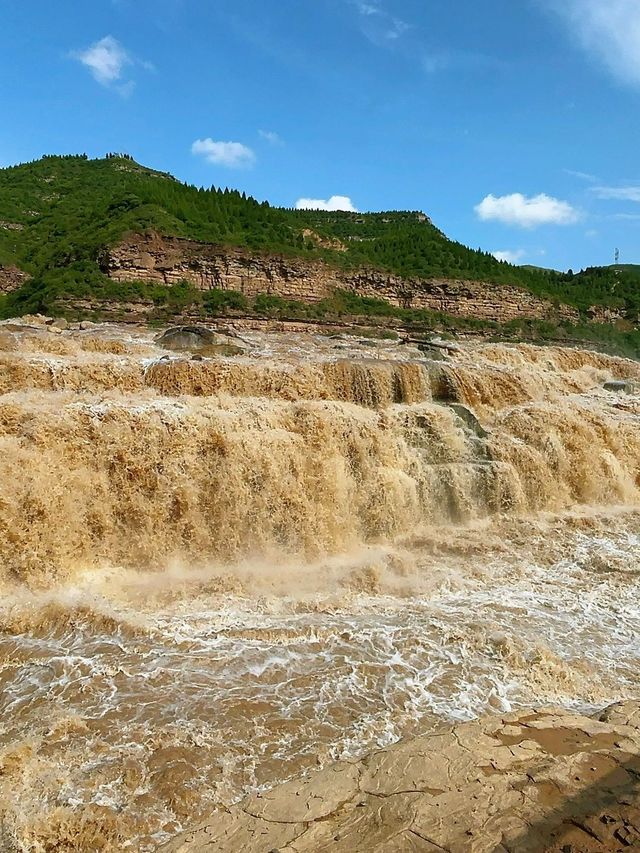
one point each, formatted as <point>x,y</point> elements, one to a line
<point>71,207</point>
<point>58,214</point>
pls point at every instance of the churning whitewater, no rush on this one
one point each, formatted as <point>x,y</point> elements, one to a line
<point>218,571</point>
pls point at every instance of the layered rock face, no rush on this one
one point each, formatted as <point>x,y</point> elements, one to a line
<point>521,783</point>
<point>168,260</point>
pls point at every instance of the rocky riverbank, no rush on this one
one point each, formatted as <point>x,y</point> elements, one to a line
<point>548,780</point>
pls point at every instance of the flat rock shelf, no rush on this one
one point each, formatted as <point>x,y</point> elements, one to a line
<point>548,780</point>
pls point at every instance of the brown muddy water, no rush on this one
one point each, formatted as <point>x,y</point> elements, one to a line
<point>217,573</point>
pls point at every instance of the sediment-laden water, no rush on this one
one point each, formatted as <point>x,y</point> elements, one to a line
<point>218,572</point>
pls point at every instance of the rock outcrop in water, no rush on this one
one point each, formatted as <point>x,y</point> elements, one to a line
<point>198,339</point>
<point>526,782</point>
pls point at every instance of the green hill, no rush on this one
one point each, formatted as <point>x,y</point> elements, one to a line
<point>71,206</point>
<point>57,215</point>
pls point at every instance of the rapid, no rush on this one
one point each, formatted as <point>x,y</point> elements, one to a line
<point>217,571</point>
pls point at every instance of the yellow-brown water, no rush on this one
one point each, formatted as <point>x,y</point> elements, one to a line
<point>218,572</point>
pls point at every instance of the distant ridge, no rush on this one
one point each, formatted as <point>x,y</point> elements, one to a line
<point>535,268</point>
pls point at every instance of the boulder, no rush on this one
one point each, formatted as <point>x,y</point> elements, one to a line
<point>620,386</point>
<point>444,388</point>
<point>470,420</point>
<point>199,339</point>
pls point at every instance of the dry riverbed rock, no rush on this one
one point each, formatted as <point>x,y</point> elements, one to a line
<point>549,780</point>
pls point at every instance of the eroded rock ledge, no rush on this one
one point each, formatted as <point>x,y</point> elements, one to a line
<point>168,260</point>
<point>544,781</point>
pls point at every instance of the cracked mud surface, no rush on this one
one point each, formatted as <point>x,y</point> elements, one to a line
<point>519,783</point>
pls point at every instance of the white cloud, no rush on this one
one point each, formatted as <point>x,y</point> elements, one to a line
<point>608,30</point>
<point>518,209</point>
<point>106,60</point>
<point>582,176</point>
<point>368,9</point>
<point>378,25</point>
<point>336,202</point>
<point>271,137</point>
<point>630,193</point>
<point>234,155</point>
<point>127,89</point>
<point>511,256</point>
<point>434,62</point>
<point>396,28</point>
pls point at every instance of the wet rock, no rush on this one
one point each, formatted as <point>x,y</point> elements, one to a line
<point>307,799</point>
<point>199,339</point>
<point>524,782</point>
<point>186,337</point>
<point>622,714</point>
<point>469,419</point>
<point>620,386</point>
<point>444,388</point>
<point>344,340</point>
<point>435,349</point>
<point>433,353</point>
<point>447,346</point>
<point>231,830</point>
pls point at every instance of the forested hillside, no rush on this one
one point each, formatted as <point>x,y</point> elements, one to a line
<point>57,215</point>
<point>71,206</point>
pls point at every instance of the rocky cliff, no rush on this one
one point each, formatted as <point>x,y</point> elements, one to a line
<point>168,260</point>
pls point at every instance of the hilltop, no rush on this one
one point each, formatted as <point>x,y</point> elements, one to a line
<point>60,215</point>
<point>59,211</point>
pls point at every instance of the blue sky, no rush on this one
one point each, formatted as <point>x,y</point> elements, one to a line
<point>512,123</point>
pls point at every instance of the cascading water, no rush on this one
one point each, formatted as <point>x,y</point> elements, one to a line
<point>217,572</point>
